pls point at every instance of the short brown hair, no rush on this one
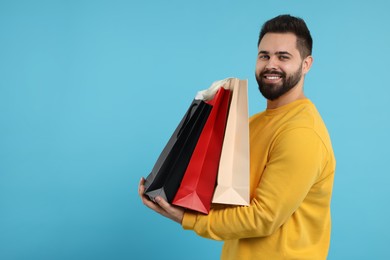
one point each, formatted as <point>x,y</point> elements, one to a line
<point>290,24</point>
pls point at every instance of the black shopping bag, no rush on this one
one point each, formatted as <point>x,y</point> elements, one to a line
<point>168,171</point>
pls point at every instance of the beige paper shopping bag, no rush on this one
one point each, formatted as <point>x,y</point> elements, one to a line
<point>233,173</point>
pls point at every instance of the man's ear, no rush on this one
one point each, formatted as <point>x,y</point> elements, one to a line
<point>306,65</point>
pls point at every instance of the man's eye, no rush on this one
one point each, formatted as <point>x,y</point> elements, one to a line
<point>263,57</point>
<point>283,57</point>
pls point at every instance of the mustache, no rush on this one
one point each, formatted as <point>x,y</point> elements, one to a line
<point>268,71</point>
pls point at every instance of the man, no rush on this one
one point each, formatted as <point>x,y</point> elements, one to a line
<point>292,163</point>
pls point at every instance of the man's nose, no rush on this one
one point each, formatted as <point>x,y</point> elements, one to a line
<point>272,63</point>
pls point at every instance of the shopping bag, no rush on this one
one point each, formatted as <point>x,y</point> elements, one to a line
<point>197,187</point>
<point>168,171</point>
<point>233,173</point>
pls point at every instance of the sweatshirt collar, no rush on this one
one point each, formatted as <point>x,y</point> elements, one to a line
<point>287,107</point>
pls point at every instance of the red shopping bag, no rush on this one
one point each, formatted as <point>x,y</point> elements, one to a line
<point>197,187</point>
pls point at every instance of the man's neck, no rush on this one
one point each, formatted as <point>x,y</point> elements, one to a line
<point>294,94</point>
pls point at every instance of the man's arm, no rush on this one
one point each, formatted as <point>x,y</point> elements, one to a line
<point>295,163</point>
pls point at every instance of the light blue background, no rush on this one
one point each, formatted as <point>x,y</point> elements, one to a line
<point>90,92</point>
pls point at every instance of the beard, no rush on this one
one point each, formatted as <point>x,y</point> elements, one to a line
<point>274,91</point>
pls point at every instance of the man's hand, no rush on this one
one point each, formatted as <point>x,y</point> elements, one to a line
<point>161,206</point>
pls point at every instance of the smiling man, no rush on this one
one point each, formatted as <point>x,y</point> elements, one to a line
<point>292,163</point>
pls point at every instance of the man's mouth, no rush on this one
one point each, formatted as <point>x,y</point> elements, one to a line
<point>272,77</point>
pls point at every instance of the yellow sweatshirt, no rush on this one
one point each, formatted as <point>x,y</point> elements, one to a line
<point>291,176</point>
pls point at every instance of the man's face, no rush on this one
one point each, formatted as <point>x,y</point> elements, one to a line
<point>279,65</point>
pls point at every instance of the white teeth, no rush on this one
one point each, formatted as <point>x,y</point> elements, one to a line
<point>273,78</point>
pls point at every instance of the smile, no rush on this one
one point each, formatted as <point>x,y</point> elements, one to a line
<point>272,77</point>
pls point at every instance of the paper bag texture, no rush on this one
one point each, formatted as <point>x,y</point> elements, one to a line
<point>233,174</point>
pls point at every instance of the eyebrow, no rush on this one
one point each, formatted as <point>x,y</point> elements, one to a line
<point>277,53</point>
<point>283,53</point>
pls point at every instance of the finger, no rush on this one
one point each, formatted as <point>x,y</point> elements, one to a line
<point>154,206</point>
<point>170,211</point>
<point>147,201</point>
<point>141,187</point>
<point>167,207</point>
<point>162,203</point>
<point>141,190</point>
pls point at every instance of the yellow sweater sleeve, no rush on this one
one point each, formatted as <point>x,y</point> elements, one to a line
<point>296,159</point>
